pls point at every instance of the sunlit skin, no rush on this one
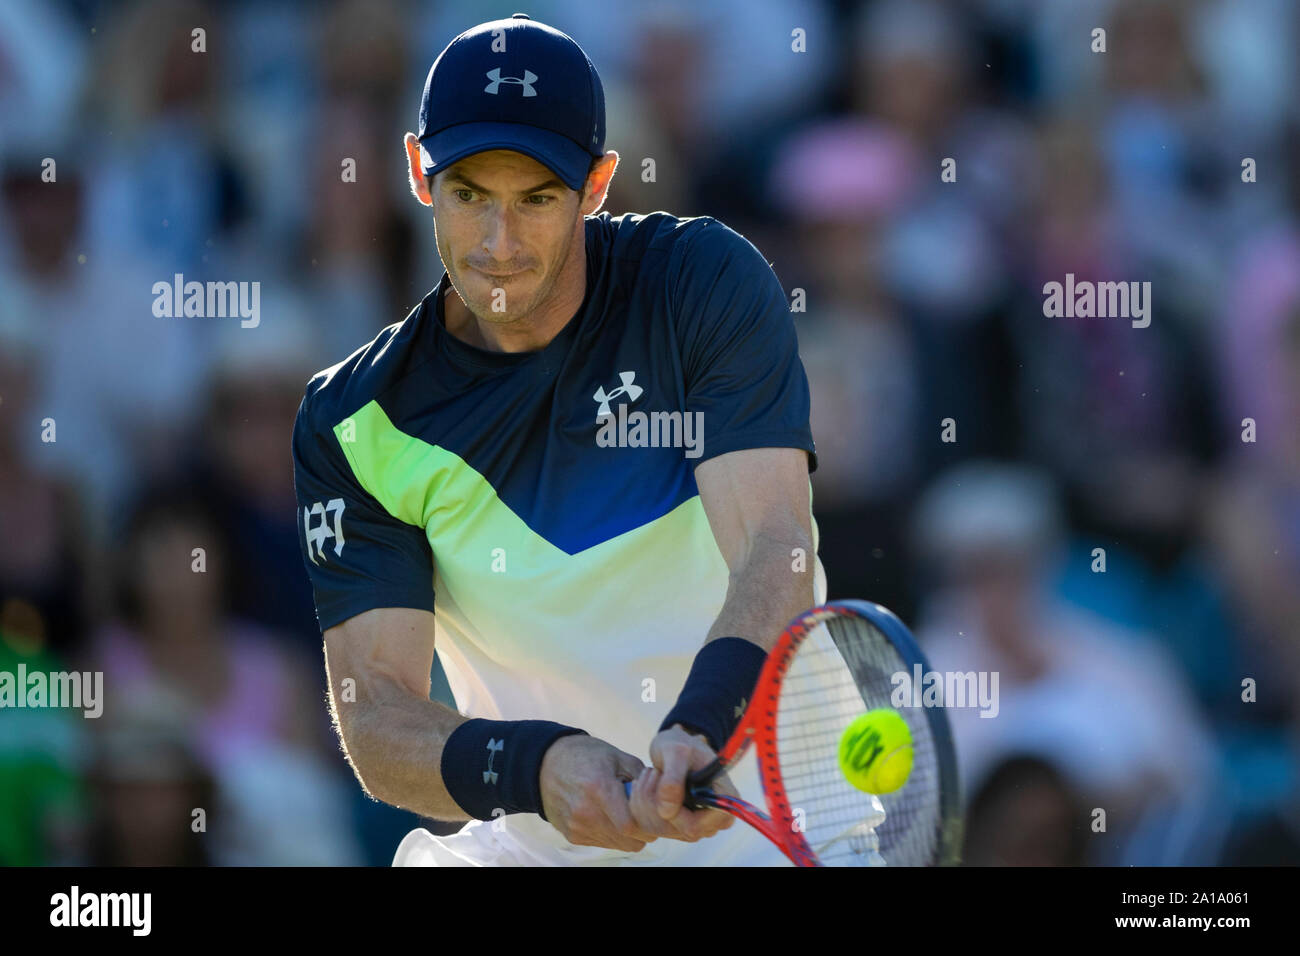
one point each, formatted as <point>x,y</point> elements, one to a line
<point>504,221</point>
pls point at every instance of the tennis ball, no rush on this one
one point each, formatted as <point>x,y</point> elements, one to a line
<point>876,751</point>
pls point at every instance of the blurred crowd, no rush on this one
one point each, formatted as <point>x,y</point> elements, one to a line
<point>1098,524</point>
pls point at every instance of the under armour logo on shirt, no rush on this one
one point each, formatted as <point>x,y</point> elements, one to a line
<point>740,708</point>
<point>497,79</point>
<point>494,747</point>
<point>633,392</point>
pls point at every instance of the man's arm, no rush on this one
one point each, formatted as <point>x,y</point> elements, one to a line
<point>394,735</point>
<point>371,573</point>
<point>758,509</point>
<point>757,503</point>
<point>392,732</point>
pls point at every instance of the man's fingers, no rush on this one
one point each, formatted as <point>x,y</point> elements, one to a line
<point>642,803</point>
<point>627,767</point>
<point>618,810</point>
<point>698,824</point>
<point>670,789</point>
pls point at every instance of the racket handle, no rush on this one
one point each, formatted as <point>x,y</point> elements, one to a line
<point>691,803</point>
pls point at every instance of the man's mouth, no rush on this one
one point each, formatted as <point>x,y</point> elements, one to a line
<point>497,275</point>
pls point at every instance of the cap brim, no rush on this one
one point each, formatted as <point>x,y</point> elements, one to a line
<point>561,155</point>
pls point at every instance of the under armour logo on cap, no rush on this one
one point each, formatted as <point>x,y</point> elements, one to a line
<point>558,120</point>
<point>497,79</point>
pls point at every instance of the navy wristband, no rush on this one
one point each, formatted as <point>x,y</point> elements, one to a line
<point>718,689</point>
<point>496,765</point>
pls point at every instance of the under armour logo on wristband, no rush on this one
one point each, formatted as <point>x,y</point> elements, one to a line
<point>740,708</point>
<point>494,747</point>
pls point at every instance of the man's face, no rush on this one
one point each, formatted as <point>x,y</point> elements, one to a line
<point>505,226</point>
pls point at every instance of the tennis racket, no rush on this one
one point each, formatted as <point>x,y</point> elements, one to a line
<point>830,665</point>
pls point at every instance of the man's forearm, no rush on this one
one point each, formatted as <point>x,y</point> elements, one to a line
<point>770,587</point>
<point>773,586</point>
<point>394,741</point>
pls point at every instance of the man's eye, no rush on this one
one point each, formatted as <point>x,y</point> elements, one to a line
<point>464,195</point>
<point>540,200</point>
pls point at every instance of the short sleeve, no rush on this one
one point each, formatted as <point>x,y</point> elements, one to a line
<point>740,353</point>
<point>358,556</point>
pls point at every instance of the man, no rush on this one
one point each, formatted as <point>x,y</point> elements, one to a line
<point>493,450</point>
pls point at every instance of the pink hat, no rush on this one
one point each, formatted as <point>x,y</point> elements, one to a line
<point>842,170</point>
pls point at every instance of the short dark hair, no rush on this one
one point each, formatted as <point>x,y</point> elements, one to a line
<point>161,507</point>
<point>428,177</point>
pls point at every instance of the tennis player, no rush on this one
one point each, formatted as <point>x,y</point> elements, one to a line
<point>578,469</point>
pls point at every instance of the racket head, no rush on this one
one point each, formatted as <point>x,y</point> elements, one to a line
<point>928,816</point>
<point>830,665</point>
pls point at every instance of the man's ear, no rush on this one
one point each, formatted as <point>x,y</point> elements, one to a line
<point>597,185</point>
<point>416,170</point>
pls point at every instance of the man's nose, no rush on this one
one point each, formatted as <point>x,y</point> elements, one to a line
<point>499,242</point>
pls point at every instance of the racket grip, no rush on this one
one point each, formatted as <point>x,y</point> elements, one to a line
<point>691,803</point>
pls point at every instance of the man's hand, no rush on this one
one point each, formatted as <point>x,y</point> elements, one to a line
<point>658,794</point>
<point>584,797</point>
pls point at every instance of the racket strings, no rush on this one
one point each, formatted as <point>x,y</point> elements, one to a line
<point>843,668</point>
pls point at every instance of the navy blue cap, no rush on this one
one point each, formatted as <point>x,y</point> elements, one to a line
<point>514,84</point>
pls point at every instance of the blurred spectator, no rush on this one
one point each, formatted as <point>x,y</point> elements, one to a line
<point>119,383</point>
<point>1123,415</point>
<point>913,64</point>
<point>42,762</point>
<point>1255,522</point>
<point>912,67</point>
<point>1271,837</point>
<point>1164,144</point>
<point>1025,813</point>
<point>910,63</point>
<point>152,796</point>
<point>356,264</point>
<point>258,379</point>
<point>636,138</point>
<point>41,80</point>
<point>363,57</point>
<point>43,582</point>
<point>1105,705</point>
<point>256,711</point>
<point>163,187</point>
<point>838,184</point>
